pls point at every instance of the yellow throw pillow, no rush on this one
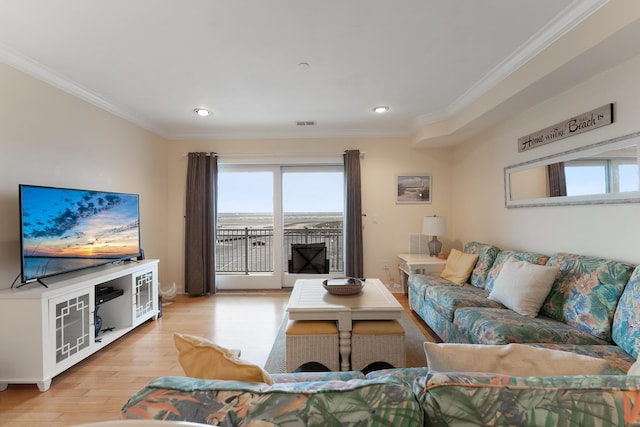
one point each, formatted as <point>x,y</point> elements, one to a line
<point>459,266</point>
<point>200,358</point>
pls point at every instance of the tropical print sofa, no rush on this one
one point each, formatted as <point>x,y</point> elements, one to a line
<point>393,397</point>
<point>591,309</point>
<point>450,399</point>
<point>298,399</point>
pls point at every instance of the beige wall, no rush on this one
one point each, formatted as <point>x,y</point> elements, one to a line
<point>48,137</point>
<point>609,231</point>
<point>529,183</point>
<point>383,160</point>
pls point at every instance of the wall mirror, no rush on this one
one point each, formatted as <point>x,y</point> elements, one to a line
<point>606,172</point>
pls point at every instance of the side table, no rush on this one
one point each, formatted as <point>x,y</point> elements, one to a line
<point>418,264</point>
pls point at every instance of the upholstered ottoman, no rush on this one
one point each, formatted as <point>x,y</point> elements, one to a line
<point>310,341</point>
<point>377,341</point>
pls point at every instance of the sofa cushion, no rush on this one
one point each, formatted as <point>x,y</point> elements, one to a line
<point>503,256</point>
<point>486,256</point>
<point>419,282</point>
<point>459,266</point>
<point>496,326</point>
<point>626,321</point>
<point>307,376</point>
<point>477,399</point>
<point>447,299</point>
<point>439,324</point>
<point>511,359</point>
<point>384,401</point>
<point>522,286</point>
<point>406,375</point>
<point>586,292</point>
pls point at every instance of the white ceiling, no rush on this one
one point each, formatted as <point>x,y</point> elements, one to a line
<point>153,61</point>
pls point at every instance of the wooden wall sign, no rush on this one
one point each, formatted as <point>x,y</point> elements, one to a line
<point>576,125</point>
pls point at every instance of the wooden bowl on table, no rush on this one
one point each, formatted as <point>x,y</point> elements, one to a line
<point>343,285</point>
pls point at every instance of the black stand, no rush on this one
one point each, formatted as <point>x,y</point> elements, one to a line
<point>37,280</point>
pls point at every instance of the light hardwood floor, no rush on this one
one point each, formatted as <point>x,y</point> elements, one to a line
<point>96,388</point>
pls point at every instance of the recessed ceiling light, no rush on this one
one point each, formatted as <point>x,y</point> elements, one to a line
<point>202,112</point>
<point>380,109</point>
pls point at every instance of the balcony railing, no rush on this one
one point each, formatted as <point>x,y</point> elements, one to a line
<point>247,250</point>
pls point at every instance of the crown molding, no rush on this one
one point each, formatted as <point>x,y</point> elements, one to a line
<point>572,15</point>
<point>42,73</point>
<point>258,133</point>
<point>576,12</point>
<point>428,119</point>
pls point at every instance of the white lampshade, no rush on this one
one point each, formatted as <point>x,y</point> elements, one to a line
<point>434,226</point>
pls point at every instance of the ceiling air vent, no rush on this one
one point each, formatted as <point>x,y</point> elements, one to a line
<point>306,123</point>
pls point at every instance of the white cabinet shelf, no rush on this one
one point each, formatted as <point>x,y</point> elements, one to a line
<point>45,331</point>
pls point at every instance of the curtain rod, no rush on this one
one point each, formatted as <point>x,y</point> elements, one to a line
<point>275,155</point>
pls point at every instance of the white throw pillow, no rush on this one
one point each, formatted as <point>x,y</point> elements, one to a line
<point>523,286</point>
<point>518,360</point>
<point>635,368</point>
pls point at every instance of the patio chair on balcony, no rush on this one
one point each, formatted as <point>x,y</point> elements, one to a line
<point>309,258</point>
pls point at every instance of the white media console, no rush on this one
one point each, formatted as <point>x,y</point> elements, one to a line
<point>44,331</point>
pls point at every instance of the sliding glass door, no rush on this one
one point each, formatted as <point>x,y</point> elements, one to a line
<point>263,210</point>
<point>247,229</point>
<point>313,212</point>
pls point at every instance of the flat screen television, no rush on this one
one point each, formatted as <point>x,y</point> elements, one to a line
<point>64,229</point>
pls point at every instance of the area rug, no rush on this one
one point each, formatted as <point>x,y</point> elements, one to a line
<point>413,340</point>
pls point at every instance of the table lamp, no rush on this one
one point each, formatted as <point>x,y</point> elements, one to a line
<point>434,226</point>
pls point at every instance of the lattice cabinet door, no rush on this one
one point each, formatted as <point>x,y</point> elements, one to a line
<point>71,316</point>
<point>144,302</point>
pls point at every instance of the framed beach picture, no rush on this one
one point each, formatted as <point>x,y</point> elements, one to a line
<point>413,189</point>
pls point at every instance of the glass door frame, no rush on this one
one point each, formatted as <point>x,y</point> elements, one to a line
<point>288,279</point>
<point>279,278</point>
<point>270,280</point>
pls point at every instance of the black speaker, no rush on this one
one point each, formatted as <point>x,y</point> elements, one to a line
<point>141,255</point>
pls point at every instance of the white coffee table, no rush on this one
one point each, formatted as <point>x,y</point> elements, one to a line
<point>310,301</point>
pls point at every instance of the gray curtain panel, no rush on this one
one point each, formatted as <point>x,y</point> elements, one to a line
<point>557,180</point>
<point>200,224</point>
<point>353,258</point>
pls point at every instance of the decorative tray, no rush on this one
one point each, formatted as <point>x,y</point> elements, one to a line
<point>343,285</point>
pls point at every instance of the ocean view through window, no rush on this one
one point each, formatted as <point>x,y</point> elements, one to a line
<point>600,176</point>
<point>261,214</point>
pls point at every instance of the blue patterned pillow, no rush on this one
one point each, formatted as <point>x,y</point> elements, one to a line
<point>586,292</point>
<point>626,321</point>
<point>486,256</point>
